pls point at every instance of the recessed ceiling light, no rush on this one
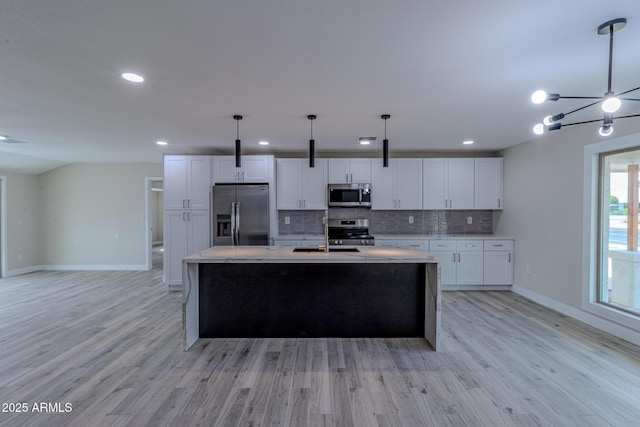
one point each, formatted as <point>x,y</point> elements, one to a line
<point>3,137</point>
<point>132,77</point>
<point>161,142</point>
<point>263,142</point>
<point>366,140</point>
<point>467,142</point>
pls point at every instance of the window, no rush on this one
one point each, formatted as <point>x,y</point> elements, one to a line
<point>610,290</point>
<point>619,255</point>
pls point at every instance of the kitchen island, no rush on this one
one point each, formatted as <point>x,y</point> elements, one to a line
<point>271,291</point>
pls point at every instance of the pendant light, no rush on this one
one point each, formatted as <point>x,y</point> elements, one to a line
<point>312,144</point>
<point>237,118</point>
<point>385,142</point>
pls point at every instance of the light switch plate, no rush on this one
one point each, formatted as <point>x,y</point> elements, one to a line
<point>469,220</point>
<point>287,220</point>
<point>410,219</point>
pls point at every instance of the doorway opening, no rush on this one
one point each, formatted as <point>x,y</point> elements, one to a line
<point>154,217</point>
<point>3,226</point>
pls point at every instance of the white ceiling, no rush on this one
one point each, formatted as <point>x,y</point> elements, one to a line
<point>445,70</point>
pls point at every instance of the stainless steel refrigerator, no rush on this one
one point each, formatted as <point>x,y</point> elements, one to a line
<point>240,214</point>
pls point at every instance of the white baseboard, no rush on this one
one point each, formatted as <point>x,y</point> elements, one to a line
<point>98,267</point>
<point>605,325</point>
<point>24,270</point>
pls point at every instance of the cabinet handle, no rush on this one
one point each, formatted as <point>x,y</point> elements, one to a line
<point>184,217</point>
<point>458,256</point>
<point>454,257</point>
<point>351,177</point>
<point>509,257</point>
<point>304,204</point>
<point>346,177</point>
<point>498,202</point>
<point>242,176</point>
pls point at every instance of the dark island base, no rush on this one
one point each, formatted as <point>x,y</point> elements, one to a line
<point>311,300</point>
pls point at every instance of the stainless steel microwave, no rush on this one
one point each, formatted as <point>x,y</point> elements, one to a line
<point>349,195</point>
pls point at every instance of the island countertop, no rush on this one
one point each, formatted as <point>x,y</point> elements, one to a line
<point>286,254</point>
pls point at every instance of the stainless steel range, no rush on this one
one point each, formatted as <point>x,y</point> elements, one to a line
<point>353,232</point>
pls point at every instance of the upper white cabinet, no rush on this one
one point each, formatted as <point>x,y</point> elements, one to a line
<point>448,183</point>
<point>300,187</point>
<point>488,183</point>
<point>346,171</point>
<point>187,182</point>
<point>254,169</point>
<point>398,186</point>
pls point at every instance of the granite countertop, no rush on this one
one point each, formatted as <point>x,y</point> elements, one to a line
<point>285,254</point>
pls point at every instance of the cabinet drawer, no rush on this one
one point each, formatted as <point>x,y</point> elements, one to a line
<point>442,245</point>
<point>498,245</point>
<point>469,245</point>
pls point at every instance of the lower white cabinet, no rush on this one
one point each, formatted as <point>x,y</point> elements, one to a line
<point>461,261</point>
<point>186,232</point>
<point>498,262</point>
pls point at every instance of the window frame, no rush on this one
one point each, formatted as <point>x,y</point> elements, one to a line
<point>591,232</point>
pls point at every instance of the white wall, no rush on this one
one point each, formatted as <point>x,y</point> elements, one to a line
<point>22,223</point>
<point>93,215</point>
<point>543,186</point>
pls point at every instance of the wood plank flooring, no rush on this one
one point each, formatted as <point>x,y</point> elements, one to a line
<point>110,345</point>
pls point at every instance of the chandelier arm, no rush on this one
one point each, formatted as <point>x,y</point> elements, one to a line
<point>581,97</point>
<point>630,99</point>
<point>582,123</point>
<point>630,90</point>
<point>582,108</point>
<point>626,117</point>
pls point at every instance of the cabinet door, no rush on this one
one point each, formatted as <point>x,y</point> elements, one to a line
<point>199,182</point>
<point>339,171</point>
<point>199,230</point>
<point>434,184</point>
<point>382,196</point>
<point>314,185</point>
<point>470,268</point>
<point>176,244</point>
<point>498,268</point>
<point>447,263</point>
<point>288,184</point>
<point>408,183</point>
<point>488,183</point>
<point>255,169</point>
<point>175,182</point>
<point>224,169</point>
<point>460,185</point>
<point>360,171</point>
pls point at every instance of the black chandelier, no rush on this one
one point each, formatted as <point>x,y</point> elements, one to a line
<point>610,102</point>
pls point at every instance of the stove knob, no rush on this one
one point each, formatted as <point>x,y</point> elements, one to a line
<point>362,242</point>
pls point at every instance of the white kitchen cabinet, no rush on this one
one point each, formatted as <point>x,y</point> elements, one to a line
<point>461,261</point>
<point>347,171</point>
<point>498,262</point>
<point>448,183</point>
<point>253,169</point>
<point>419,244</point>
<point>488,183</point>
<point>186,232</point>
<point>398,186</point>
<point>299,186</point>
<point>187,182</point>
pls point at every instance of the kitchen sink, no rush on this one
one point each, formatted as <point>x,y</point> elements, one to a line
<point>317,249</point>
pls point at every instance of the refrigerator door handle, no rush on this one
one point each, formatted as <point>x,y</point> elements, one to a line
<point>233,223</point>
<point>237,223</point>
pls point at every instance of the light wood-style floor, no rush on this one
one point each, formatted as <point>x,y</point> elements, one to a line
<point>110,344</point>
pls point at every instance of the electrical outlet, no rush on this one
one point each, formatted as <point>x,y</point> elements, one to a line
<point>287,220</point>
<point>527,269</point>
<point>410,219</point>
<point>469,220</point>
<point>117,236</point>
<point>20,258</point>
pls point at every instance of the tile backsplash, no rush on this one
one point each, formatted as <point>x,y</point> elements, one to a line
<point>393,222</point>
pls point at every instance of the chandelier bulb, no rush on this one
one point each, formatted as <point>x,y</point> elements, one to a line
<point>539,97</point>
<point>611,104</point>
<point>547,120</point>
<point>538,129</point>
<point>606,130</point>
